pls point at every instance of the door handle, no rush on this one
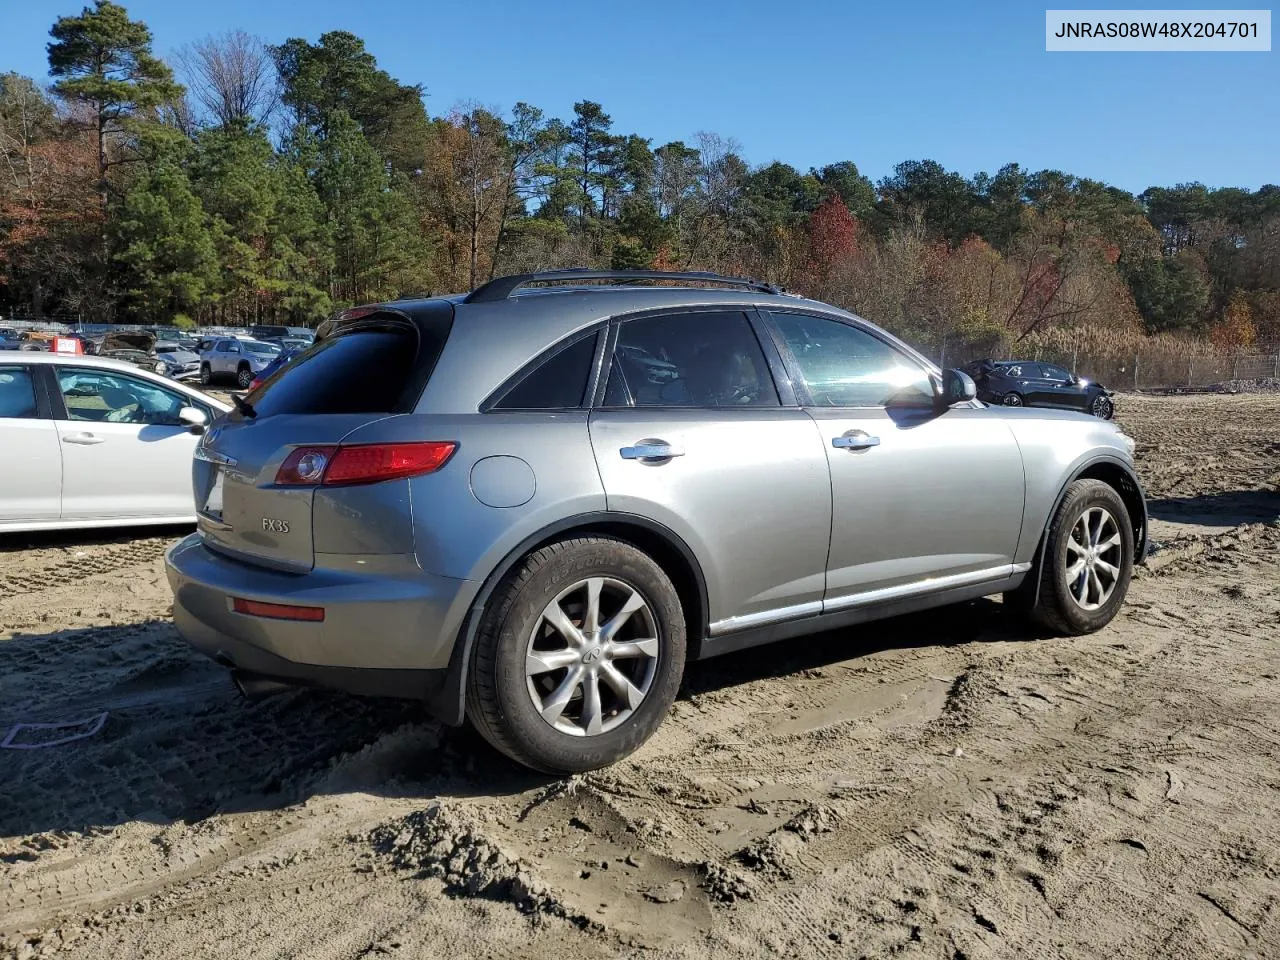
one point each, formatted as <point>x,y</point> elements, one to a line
<point>84,439</point>
<point>650,450</point>
<point>856,441</point>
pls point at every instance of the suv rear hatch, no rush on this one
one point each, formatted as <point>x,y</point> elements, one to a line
<point>368,364</point>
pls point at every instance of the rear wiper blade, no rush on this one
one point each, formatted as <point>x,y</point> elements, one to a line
<point>244,406</point>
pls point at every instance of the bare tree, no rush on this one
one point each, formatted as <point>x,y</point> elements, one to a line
<point>231,77</point>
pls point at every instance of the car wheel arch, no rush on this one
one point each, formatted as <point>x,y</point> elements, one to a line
<point>447,701</point>
<point>1116,474</point>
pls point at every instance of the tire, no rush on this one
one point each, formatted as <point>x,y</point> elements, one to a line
<point>1102,407</point>
<point>206,375</point>
<point>244,378</point>
<point>501,693</point>
<point>1060,607</point>
<point>1012,399</point>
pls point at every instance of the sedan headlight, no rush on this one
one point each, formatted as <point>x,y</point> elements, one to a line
<point>161,367</point>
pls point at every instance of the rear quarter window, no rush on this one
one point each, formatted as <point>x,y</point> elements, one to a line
<point>557,383</point>
<point>359,371</point>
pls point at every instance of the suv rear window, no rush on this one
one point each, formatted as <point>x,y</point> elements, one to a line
<point>361,371</point>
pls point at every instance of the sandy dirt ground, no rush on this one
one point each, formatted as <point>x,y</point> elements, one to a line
<point>946,785</point>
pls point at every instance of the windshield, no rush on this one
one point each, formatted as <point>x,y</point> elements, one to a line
<point>265,348</point>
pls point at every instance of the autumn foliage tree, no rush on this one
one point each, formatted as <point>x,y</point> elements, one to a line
<point>298,176</point>
<point>49,220</point>
<point>833,237</point>
<point>1236,328</point>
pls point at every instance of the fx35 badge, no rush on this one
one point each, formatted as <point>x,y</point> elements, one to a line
<point>275,526</point>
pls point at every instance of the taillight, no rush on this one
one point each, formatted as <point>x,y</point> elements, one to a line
<point>372,462</point>
<point>362,463</point>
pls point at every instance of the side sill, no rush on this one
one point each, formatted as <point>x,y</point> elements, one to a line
<point>714,646</point>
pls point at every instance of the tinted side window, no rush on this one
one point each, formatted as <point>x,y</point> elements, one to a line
<point>692,360</point>
<point>364,371</point>
<point>17,393</point>
<point>558,383</point>
<point>844,366</point>
<point>1054,373</point>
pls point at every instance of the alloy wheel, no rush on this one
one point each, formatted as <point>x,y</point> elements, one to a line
<point>1094,557</point>
<point>1012,400</point>
<point>592,656</point>
<point>1102,407</point>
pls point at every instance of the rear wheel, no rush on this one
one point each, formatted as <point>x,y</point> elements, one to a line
<point>1088,561</point>
<point>1102,407</point>
<point>578,657</point>
<point>244,377</point>
<point>206,375</point>
<point>1012,400</point>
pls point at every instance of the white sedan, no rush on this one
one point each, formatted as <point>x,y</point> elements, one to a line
<point>92,442</point>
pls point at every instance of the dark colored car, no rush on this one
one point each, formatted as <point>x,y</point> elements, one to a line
<point>268,332</point>
<point>9,339</point>
<point>1030,383</point>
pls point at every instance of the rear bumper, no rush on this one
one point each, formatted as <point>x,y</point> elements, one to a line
<point>385,633</point>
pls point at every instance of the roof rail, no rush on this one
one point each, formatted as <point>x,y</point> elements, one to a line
<point>502,287</point>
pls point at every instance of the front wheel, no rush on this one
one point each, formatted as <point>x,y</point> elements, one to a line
<point>578,656</point>
<point>206,375</point>
<point>1102,407</point>
<point>1012,400</point>
<point>1088,560</point>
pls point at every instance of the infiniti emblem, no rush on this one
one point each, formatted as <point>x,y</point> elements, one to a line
<point>592,655</point>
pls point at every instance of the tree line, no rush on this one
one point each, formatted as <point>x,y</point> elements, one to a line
<point>254,182</point>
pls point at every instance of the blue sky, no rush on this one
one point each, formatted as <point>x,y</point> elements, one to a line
<point>804,82</point>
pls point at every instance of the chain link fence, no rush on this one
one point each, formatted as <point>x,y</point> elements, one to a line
<point>1125,363</point>
<point>1155,370</point>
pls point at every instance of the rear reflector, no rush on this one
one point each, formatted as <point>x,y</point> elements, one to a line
<point>277,611</point>
<point>362,463</point>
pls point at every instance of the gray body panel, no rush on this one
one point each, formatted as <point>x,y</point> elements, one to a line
<point>940,495</point>
<point>784,533</point>
<point>750,496</point>
<point>1055,445</point>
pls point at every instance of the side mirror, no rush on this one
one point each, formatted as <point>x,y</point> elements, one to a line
<point>194,418</point>
<point>956,387</point>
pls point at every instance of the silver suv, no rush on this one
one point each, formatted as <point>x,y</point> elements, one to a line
<point>532,504</point>
<point>238,358</point>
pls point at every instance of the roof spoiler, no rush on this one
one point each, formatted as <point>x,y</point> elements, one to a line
<point>503,287</point>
